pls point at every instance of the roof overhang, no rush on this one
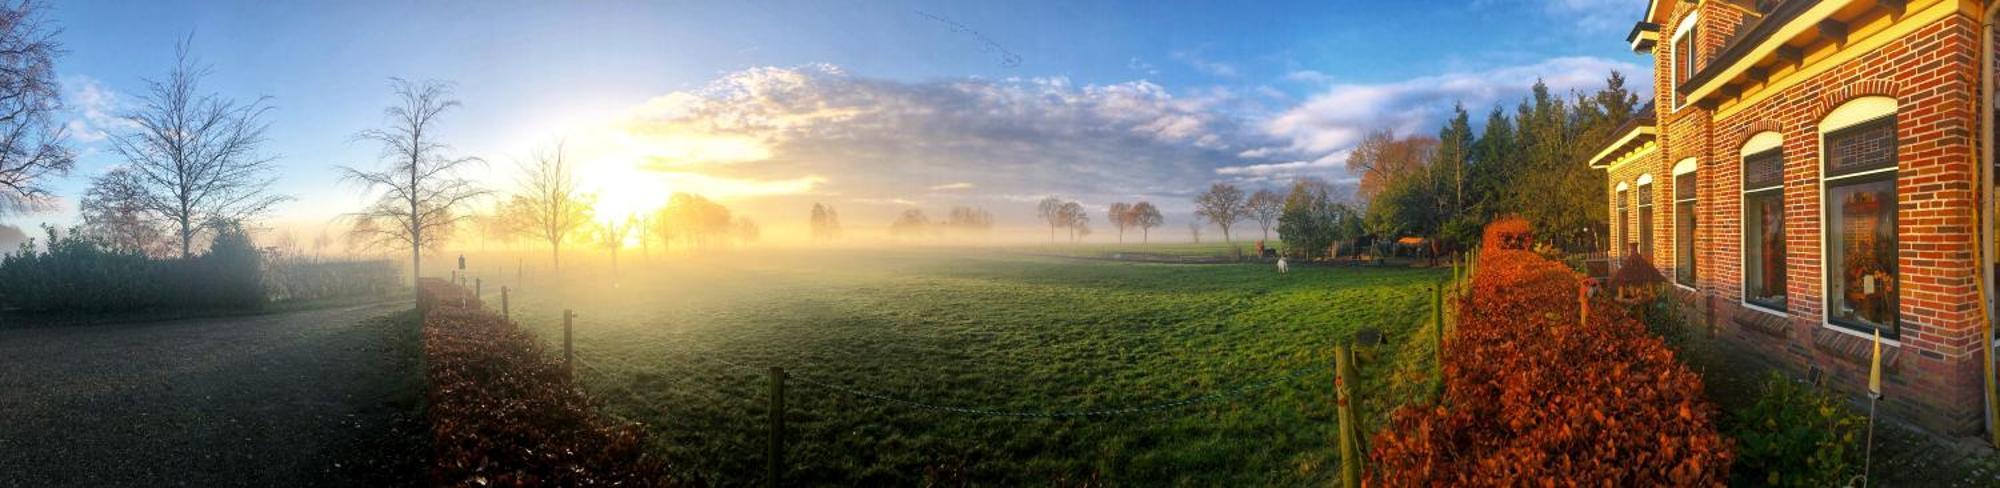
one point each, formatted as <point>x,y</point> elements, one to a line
<point>1786,39</point>
<point>1634,138</point>
<point>1643,36</point>
<point>1657,11</point>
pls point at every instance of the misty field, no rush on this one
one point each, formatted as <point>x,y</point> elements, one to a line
<point>682,344</point>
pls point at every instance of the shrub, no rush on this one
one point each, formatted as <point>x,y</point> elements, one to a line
<point>296,279</point>
<point>504,412</point>
<point>1532,395</point>
<point>1796,435</point>
<point>1508,233</point>
<point>77,273</point>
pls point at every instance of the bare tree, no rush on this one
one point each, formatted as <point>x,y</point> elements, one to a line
<point>1145,216</point>
<point>611,234</point>
<point>1075,219</point>
<point>32,145</point>
<point>1050,211</point>
<point>421,188</point>
<point>1194,227</point>
<point>549,203</point>
<point>196,154</point>
<point>1265,206</point>
<point>114,210</point>
<point>1222,204</point>
<point>320,243</point>
<point>1120,215</point>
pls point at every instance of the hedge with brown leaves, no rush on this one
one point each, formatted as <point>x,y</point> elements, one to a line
<point>503,412</point>
<point>1532,397</point>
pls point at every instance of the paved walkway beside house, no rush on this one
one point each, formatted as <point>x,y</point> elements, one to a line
<point>313,398</point>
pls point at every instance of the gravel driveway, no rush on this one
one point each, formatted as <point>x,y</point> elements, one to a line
<point>314,398</point>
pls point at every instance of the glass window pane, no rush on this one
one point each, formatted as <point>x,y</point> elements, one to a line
<point>1684,266</point>
<point>1764,249</point>
<point>1646,223</point>
<point>1861,249</point>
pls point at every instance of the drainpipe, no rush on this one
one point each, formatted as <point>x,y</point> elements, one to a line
<point>1986,228</point>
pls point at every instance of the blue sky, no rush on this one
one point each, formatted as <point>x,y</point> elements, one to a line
<point>1098,102</point>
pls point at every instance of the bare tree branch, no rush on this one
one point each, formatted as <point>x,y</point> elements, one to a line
<point>32,144</point>
<point>421,191</point>
<point>196,155</point>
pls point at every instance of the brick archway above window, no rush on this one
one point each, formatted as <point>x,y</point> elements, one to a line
<point>1864,88</point>
<point>1759,126</point>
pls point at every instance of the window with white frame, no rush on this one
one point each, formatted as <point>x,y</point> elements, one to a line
<point>1684,222</point>
<point>1858,145</point>
<point>1764,275</point>
<point>1645,206</point>
<point>1624,237</point>
<point>1686,52</point>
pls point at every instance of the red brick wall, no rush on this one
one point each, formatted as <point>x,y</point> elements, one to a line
<point>1932,75</point>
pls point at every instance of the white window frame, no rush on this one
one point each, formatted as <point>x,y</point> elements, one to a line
<point>1674,57</point>
<point>1849,114</point>
<point>1685,166</point>
<point>1642,186</point>
<point>1762,141</point>
<point>1618,205</point>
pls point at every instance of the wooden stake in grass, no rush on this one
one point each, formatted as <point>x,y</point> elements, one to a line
<point>1437,326</point>
<point>503,304</point>
<point>775,458</point>
<point>569,351</point>
<point>1350,449</point>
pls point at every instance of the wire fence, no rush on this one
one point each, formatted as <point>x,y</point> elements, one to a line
<point>587,364</point>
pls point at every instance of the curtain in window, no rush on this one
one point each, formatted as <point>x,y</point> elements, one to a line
<point>1861,228</point>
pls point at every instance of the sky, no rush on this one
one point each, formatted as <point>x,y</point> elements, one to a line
<point>872,107</point>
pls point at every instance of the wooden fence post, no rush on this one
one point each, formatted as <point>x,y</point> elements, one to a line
<point>775,459</point>
<point>1343,386</point>
<point>479,288</point>
<point>1583,304</point>
<point>503,304</point>
<point>569,347</point>
<point>1437,320</point>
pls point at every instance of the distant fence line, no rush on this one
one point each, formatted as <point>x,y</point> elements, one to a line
<point>1344,384</point>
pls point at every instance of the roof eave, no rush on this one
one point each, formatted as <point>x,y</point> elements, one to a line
<point>1633,134</point>
<point>1643,36</point>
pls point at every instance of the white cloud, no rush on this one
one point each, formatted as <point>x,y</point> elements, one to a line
<point>1143,67</point>
<point>1310,77</point>
<point>1592,15</point>
<point>93,109</point>
<point>882,142</point>
<point>781,137</point>
<point>1199,63</point>
<point>1334,120</point>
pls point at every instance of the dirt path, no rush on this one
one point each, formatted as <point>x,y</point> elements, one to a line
<point>313,398</point>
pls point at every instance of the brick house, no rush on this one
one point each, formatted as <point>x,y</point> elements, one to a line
<point>1809,174</point>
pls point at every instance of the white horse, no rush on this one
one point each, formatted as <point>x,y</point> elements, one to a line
<point>1282,267</point>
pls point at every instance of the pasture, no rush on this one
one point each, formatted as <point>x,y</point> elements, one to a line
<point>682,345</point>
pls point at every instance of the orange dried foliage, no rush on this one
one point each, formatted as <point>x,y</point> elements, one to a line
<point>1508,233</point>
<point>503,412</point>
<point>1532,397</point>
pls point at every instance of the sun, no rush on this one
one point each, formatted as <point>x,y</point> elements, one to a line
<point>623,190</point>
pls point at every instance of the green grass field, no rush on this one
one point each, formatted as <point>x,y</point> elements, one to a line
<point>985,330</point>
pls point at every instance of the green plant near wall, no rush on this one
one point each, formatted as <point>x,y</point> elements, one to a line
<point>1796,435</point>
